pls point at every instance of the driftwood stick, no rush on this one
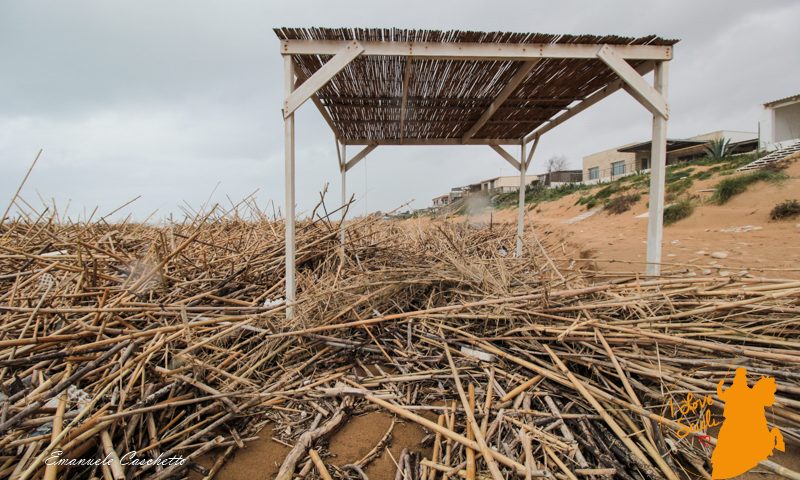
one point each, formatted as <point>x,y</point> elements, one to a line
<point>19,189</point>
<point>108,448</point>
<point>321,469</point>
<point>521,388</point>
<point>51,470</point>
<point>308,438</point>
<point>475,428</point>
<point>437,447</point>
<point>377,450</point>
<point>470,434</point>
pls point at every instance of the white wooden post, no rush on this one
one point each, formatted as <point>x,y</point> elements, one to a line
<point>343,170</point>
<point>521,207</point>
<point>658,161</point>
<point>288,143</point>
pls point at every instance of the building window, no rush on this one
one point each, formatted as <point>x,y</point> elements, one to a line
<point>645,163</point>
<point>618,168</point>
<point>594,173</point>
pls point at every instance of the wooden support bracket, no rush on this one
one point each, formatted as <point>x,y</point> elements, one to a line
<point>359,156</point>
<point>507,156</point>
<point>648,96</point>
<point>321,77</point>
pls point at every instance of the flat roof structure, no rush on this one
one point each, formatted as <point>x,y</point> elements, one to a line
<point>378,87</point>
<point>672,145</point>
<point>782,101</point>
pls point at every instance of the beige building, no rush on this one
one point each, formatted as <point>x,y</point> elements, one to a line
<point>490,186</point>
<point>504,184</point>
<point>601,166</point>
<point>635,157</point>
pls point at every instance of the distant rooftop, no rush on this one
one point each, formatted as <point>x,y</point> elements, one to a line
<point>672,144</point>
<point>790,99</point>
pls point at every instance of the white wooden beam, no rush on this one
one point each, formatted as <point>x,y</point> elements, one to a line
<point>404,101</point>
<point>592,99</point>
<point>359,156</point>
<point>658,160</point>
<point>476,51</point>
<point>339,157</point>
<point>288,145</point>
<point>507,156</point>
<point>533,149</point>
<point>636,85</point>
<point>434,141</point>
<point>506,92</point>
<point>345,55</point>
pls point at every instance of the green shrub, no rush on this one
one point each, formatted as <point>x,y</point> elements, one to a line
<point>591,200</point>
<point>728,162</point>
<point>674,176</point>
<point>730,187</point>
<point>733,162</point>
<point>536,193</point>
<point>679,186</point>
<point>705,175</point>
<point>784,210</point>
<point>640,180</point>
<point>621,203</point>
<point>609,190</point>
<point>717,149</point>
<point>678,211</point>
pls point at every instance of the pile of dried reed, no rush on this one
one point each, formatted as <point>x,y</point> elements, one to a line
<point>172,341</point>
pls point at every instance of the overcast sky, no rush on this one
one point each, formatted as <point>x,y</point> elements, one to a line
<point>168,99</point>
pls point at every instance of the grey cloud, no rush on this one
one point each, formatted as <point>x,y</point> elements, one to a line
<point>166,99</point>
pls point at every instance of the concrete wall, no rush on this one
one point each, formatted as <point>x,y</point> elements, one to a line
<point>561,177</point>
<point>780,124</point>
<point>787,123</point>
<point>513,181</point>
<point>507,183</point>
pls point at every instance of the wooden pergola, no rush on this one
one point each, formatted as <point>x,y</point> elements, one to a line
<point>379,87</point>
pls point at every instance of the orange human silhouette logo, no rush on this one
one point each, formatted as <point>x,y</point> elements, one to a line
<point>744,438</point>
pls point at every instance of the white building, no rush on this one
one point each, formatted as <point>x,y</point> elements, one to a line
<point>441,201</point>
<point>781,122</point>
